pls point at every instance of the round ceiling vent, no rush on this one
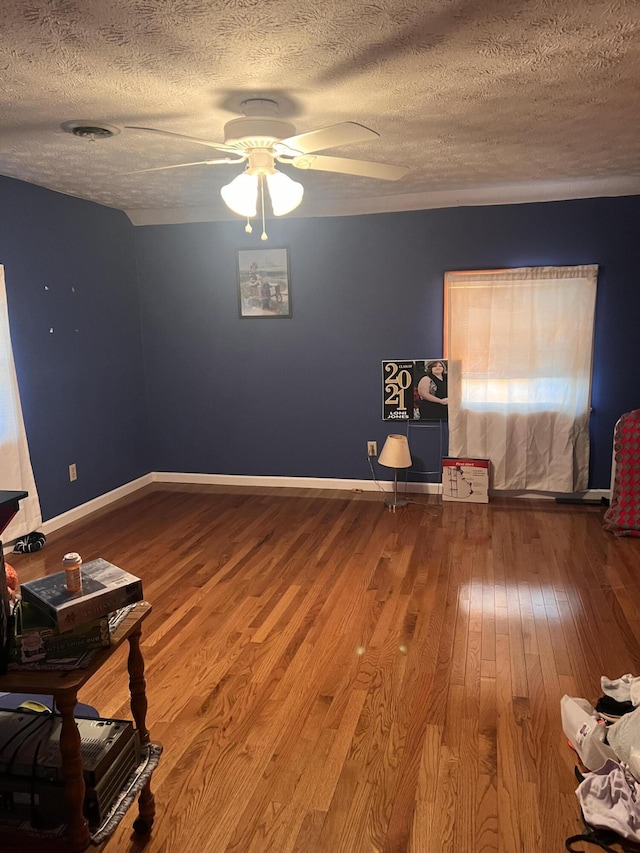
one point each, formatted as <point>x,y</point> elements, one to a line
<point>92,130</point>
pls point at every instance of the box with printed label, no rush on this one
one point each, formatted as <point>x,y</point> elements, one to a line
<point>465,480</point>
<point>105,588</point>
<point>38,639</point>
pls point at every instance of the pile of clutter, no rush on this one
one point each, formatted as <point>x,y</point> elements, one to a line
<point>607,740</point>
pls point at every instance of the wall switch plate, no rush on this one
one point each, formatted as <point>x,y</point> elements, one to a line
<point>73,472</point>
<point>372,448</point>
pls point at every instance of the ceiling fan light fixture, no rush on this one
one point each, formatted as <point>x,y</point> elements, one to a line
<point>261,139</point>
<point>241,195</point>
<point>286,194</point>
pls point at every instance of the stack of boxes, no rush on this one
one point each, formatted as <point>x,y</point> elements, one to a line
<point>55,626</point>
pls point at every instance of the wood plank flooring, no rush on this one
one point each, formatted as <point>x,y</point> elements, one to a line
<point>330,677</point>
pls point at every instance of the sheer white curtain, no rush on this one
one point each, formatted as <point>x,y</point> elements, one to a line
<point>519,344</point>
<point>16,473</point>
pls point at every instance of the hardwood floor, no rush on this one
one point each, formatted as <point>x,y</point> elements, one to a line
<point>329,677</point>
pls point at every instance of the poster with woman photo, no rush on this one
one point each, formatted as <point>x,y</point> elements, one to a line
<point>431,390</point>
<point>415,389</point>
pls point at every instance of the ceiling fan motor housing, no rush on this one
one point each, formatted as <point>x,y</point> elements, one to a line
<point>256,131</point>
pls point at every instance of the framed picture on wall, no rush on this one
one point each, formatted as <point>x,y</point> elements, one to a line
<point>264,286</point>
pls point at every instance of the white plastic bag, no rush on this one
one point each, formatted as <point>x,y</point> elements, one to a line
<point>580,725</point>
<point>624,736</point>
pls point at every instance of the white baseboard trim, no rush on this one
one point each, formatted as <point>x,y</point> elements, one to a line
<point>597,494</point>
<point>102,501</point>
<point>294,482</point>
<point>87,508</point>
<point>588,495</point>
<point>348,485</point>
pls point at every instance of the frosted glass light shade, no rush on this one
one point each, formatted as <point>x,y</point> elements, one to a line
<point>286,194</point>
<point>395,453</point>
<point>241,195</point>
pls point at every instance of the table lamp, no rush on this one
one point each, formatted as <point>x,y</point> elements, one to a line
<point>395,454</point>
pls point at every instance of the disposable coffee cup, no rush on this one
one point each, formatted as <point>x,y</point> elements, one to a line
<point>71,563</point>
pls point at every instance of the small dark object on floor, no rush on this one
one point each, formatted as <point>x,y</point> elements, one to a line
<point>30,543</point>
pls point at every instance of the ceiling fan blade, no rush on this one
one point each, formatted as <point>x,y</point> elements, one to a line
<point>220,146</point>
<point>182,165</point>
<point>346,166</point>
<point>345,133</point>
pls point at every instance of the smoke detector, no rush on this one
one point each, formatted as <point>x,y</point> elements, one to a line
<point>91,130</point>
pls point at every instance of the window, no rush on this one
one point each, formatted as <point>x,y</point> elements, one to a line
<point>519,344</point>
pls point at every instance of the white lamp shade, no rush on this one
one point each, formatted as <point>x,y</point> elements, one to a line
<point>241,195</point>
<point>395,453</point>
<point>286,194</point>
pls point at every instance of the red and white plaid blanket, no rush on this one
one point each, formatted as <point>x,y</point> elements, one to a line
<point>623,515</point>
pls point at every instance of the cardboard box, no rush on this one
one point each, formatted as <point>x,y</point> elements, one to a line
<point>38,639</point>
<point>465,480</point>
<point>105,588</point>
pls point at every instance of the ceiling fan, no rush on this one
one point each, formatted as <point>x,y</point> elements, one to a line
<point>260,140</point>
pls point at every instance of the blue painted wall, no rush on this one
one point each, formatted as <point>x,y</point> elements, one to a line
<point>301,397</point>
<point>209,392</point>
<point>82,385</point>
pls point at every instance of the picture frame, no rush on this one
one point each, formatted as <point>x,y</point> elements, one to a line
<point>264,284</point>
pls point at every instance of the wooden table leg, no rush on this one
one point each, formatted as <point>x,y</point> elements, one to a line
<point>138,691</point>
<point>74,788</point>
<point>138,686</point>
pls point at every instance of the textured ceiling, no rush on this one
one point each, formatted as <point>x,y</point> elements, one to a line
<point>485,100</point>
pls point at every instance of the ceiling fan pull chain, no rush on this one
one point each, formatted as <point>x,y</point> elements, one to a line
<point>248,227</point>
<point>263,236</point>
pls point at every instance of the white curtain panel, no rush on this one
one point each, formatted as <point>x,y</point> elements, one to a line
<point>520,347</point>
<point>16,473</point>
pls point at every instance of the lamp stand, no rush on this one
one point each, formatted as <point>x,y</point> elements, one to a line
<point>393,503</point>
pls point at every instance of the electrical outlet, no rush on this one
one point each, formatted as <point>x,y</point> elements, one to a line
<point>372,448</point>
<point>73,472</point>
